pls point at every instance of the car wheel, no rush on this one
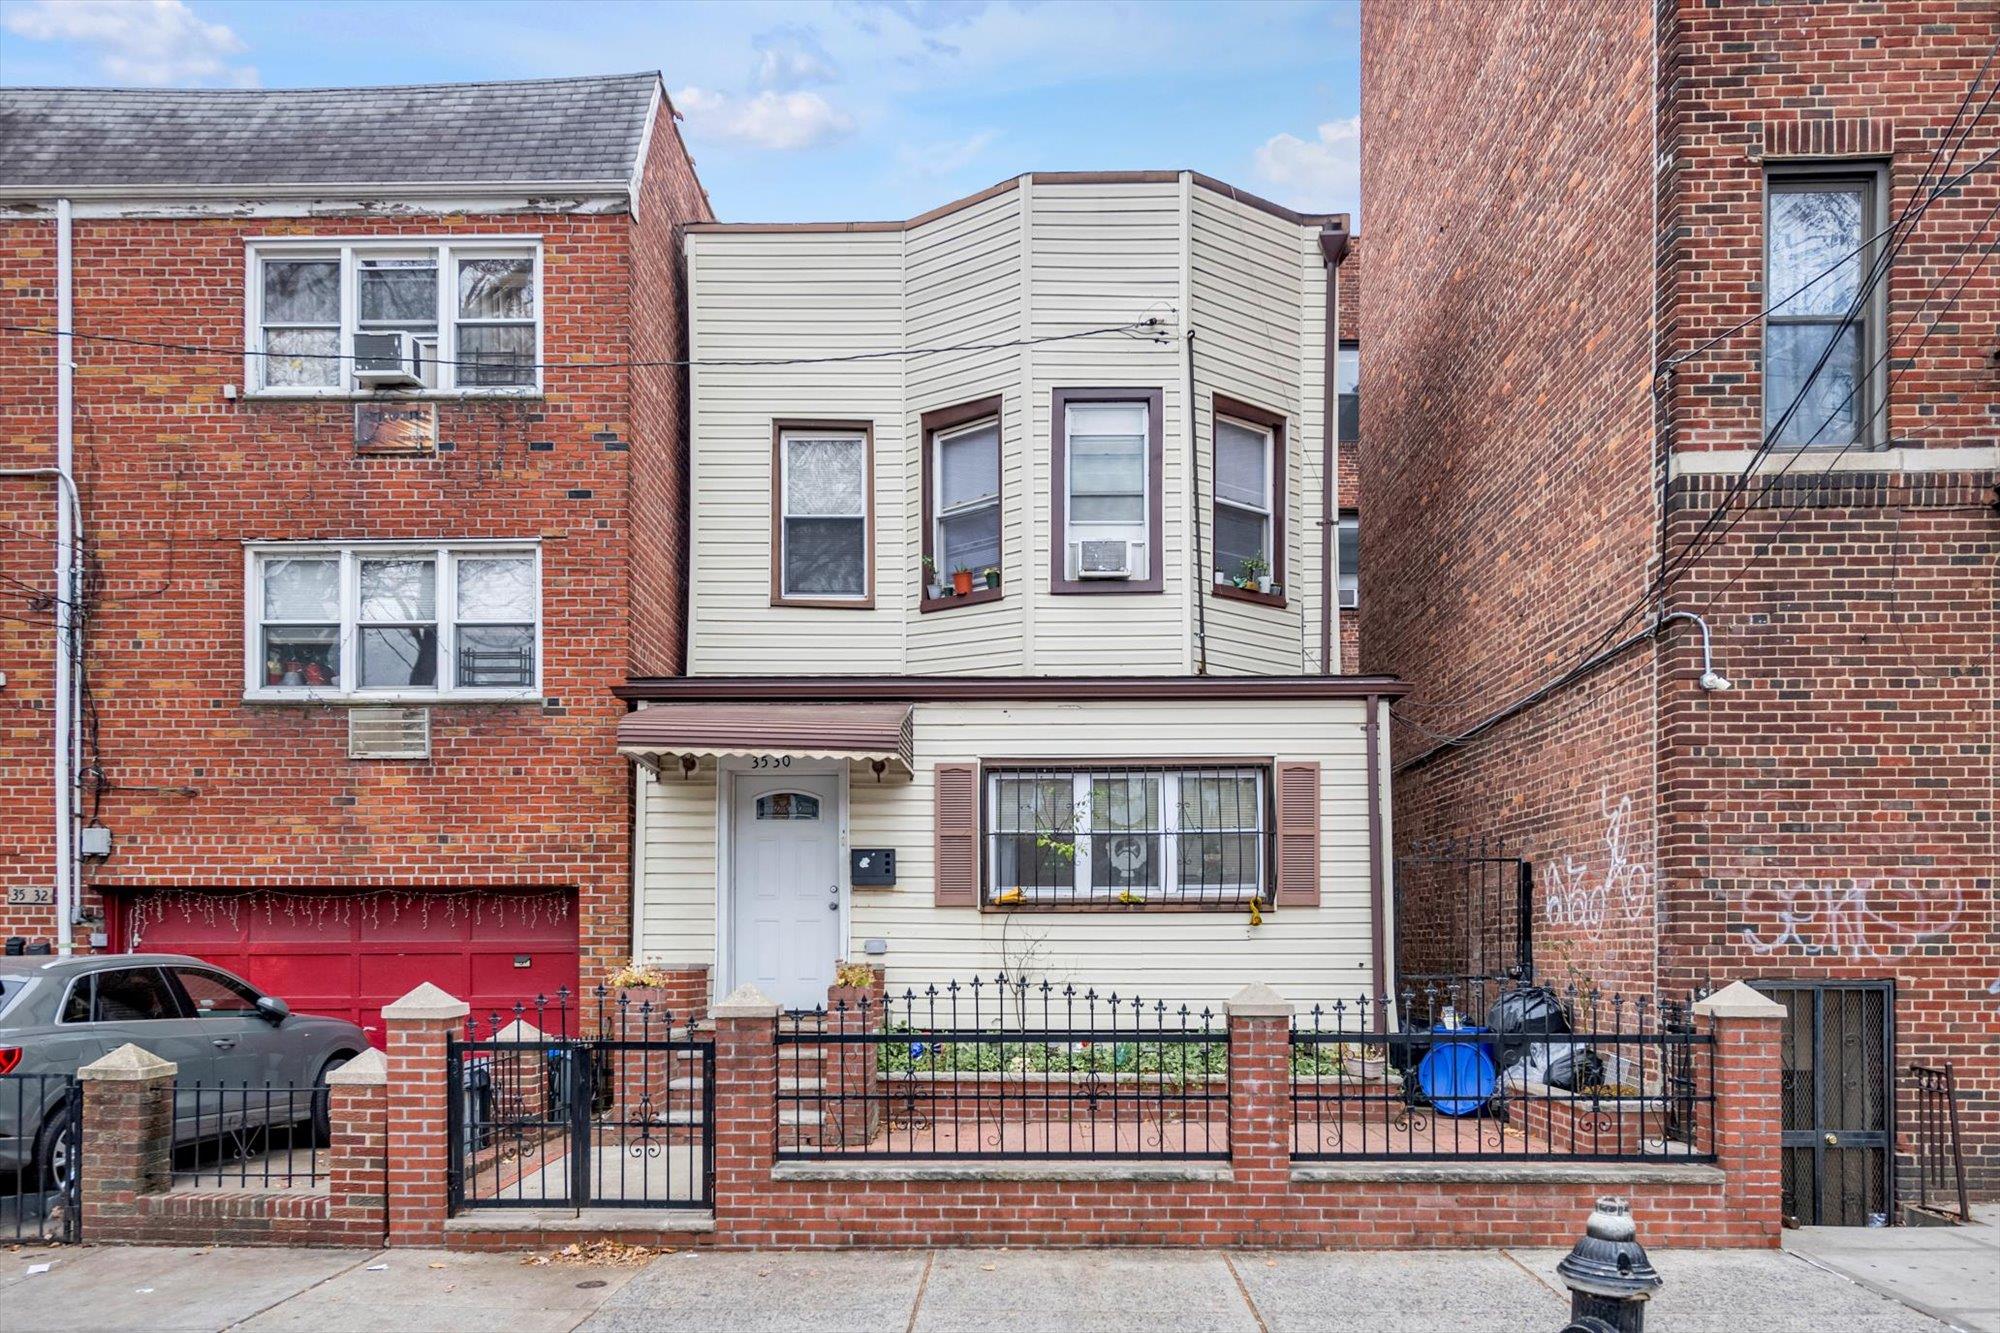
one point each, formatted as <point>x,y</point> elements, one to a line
<point>322,1105</point>
<point>55,1151</point>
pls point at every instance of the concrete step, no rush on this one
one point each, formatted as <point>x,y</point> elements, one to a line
<point>793,1115</point>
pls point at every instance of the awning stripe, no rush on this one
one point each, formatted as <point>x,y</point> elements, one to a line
<point>818,731</point>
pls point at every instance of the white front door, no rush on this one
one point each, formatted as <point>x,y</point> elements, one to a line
<point>785,880</point>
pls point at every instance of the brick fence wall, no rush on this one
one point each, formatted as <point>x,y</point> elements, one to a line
<point>385,1178</point>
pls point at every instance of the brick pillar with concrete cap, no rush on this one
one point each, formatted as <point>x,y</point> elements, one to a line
<point>128,1134</point>
<point>1260,1087</point>
<point>1748,1107</point>
<point>520,1078</point>
<point>419,1157</point>
<point>746,1110</point>
<point>357,1159</point>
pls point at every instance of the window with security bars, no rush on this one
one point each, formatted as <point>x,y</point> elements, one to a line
<point>1127,836</point>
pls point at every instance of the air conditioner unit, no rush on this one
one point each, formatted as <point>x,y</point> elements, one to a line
<point>1104,558</point>
<point>390,360</point>
<point>1350,598</point>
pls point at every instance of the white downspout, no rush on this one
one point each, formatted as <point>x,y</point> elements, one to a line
<point>68,589</point>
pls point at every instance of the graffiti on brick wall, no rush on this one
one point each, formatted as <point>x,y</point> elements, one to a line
<point>1873,919</point>
<point>1588,894</point>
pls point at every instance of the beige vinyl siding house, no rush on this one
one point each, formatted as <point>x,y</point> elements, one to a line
<point>1112,767</point>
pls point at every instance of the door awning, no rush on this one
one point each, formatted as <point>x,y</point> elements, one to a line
<point>872,732</point>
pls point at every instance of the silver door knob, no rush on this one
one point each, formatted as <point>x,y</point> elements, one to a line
<point>833,889</point>
<point>833,907</point>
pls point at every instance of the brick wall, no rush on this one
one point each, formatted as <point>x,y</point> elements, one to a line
<point>202,789</point>
<point>1832,816</point>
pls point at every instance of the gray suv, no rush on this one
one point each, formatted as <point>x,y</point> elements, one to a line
<point>59,1014</point>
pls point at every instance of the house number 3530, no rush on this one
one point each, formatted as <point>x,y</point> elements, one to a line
<point>771,761</point>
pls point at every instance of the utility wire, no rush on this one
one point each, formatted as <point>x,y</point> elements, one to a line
<point>1154,324</point>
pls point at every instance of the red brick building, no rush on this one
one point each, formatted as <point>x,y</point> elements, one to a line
<point>1692,308</point>
<point>376,508</point>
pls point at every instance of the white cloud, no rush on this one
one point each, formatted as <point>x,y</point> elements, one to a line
<point>154,43</point>
<point>1321,174</point>
<point>768,120</point>
<point>945,157</point>
<point>792,57</point>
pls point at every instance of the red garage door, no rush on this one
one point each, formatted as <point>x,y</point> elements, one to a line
<point>347,955</point>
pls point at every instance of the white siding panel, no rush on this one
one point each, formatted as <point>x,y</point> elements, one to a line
<point>1307,954</point>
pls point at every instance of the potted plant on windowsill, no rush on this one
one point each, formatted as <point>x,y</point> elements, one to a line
<point>961,581</point>
<point>932,587</point>
<point>991,576</point>
<point>1255,574</point>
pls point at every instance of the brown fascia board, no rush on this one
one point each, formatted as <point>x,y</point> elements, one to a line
<point>1337,222</point>
<point>953,689</point>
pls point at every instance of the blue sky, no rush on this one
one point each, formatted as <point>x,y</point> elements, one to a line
<point>843,110</point>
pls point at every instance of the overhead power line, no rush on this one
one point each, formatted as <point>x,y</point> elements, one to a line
<point>1153,324</point>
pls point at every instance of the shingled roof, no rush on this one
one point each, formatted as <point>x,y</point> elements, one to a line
<point>585,131</point>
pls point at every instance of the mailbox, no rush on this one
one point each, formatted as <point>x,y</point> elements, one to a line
<point>871,865</point>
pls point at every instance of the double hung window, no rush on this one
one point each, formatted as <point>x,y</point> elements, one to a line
<point>391,620</point>
<point>1127,836</point>
<point>825,477</point>
<point>1823,335</point>
<point>1107,480</point>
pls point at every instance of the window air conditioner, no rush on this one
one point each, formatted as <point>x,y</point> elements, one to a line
<point>1104,558</point>
<point>390,360</point>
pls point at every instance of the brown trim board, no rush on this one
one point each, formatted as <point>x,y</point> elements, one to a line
<point>1329,451</point>
<point>931,689</point>
<point>1156,557</point>
<point>943,419</point>
<point>866,429</point>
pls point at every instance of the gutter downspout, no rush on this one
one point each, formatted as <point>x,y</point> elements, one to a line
<point>69,590</point>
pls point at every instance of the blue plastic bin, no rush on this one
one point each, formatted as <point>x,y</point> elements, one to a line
<point>1458,1075</point>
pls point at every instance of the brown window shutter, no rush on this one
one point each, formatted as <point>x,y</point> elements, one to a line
<point>1297,835</point>
<point>957,834</point>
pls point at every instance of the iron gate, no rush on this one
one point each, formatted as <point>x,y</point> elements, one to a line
<point>41,1198</point>
<point>1464,925</point>
<point>1838,1050</point>
<point>580,1122</point>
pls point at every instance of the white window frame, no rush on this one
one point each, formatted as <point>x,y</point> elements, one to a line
<point>1139,531</point>
<point>863,442</point>
<point>939,513</point>
<point>350,555</point>
<point>1081,889</point>
<point>1268,513</point>
<point>349,251</point>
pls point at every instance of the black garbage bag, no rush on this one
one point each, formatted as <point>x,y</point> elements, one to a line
<point>1577,1068</point>
<point>1530,1013</point>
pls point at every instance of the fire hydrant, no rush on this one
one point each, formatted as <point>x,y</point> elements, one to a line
<point>1608,1274</point>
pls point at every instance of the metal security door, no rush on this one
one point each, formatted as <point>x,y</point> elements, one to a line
<point>1838,1049</point>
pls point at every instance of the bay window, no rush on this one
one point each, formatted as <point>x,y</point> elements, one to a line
<point>1127,836</point>
<point>393,620</point>
<point>961,497</point>
<point>824,516</point>
<point>470,311</point>
<point>1248,527</point>
<point>1106,501</point>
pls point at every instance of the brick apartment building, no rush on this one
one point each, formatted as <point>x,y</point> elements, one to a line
<point>348,641</point>
<point>1577,213</point>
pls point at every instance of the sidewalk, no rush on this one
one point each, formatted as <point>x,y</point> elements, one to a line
<point>1950,1272</point>
<point>412,1291</point>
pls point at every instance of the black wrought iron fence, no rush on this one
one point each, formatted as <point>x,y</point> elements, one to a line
<point>249,1137</point>
<point>41,1126</point>
<point>610,1105</point>
<point>1003,1067</point>
<point>1940,1157</point>
<point>1537,1076</point>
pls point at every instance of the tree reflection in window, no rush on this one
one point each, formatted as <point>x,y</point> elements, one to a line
<point>788,805</point>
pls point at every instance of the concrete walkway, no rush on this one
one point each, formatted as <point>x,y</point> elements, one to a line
<point>1950,1272</point>
<point>411,1291</point>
